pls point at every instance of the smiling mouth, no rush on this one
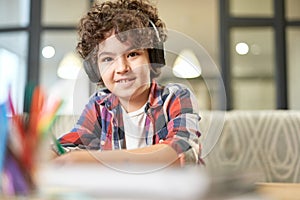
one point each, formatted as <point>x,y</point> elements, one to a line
<point>124,80</point>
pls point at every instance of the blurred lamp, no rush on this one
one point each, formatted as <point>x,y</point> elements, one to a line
<point>186,65</point>
<point>242,48</point>
<point>69,66</point>
<point>48,52</point>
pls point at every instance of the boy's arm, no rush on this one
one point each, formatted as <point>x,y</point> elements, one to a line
<point>183,126</point>
<point>83,133</point>
<point>159,154</point>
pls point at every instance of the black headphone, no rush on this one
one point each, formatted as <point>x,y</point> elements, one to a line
<point>156,57</point>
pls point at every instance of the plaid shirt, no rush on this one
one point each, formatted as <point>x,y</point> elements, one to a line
<point>172,118</point>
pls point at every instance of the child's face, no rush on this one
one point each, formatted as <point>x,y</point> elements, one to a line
<point>125,70</point>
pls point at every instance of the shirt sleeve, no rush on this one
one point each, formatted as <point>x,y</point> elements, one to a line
<point>183,124</point>
<point>85,132</point>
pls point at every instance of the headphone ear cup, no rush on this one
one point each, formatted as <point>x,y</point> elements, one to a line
<point>92,71</point>
<point>157,55</point>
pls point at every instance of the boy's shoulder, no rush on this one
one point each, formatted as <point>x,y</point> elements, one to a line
<point>171,90</point>
<point>100,95</point>
<point>174,88</point>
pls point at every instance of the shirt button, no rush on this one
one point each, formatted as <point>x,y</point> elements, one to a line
<point>102,142</point>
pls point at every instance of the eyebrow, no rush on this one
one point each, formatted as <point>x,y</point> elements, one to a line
<point>108,53</point>
<point>104,53</point>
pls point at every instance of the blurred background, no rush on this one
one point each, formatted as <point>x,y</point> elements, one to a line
<point>255,46</point>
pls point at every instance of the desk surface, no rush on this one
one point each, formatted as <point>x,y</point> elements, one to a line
<point>86,182</point>
<point>93,182</point>
<point>279,191</point>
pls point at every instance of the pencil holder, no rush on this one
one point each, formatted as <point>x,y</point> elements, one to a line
<point>21,139</point>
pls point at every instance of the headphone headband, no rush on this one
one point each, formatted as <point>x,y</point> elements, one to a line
<point>155,29</point>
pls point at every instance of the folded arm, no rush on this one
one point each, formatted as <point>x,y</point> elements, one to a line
<point>160,154</point>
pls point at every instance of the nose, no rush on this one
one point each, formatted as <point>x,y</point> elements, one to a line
<point>122,66</point>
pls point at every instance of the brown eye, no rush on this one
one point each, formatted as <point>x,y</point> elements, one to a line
<point>133,54</point>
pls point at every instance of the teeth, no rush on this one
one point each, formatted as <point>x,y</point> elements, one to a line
<point>123,81</point>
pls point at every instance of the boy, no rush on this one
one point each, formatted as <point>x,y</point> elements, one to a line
<point>121,43</point>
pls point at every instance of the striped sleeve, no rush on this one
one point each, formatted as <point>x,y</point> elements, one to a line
<point>183,123</point>
<point>86,132</point>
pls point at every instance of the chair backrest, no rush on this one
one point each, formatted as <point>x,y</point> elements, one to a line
<point>265,142</point>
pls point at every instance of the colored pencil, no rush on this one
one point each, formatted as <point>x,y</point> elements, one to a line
<point>3,133</point>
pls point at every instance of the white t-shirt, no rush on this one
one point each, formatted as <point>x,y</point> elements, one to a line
<point>134,127</point>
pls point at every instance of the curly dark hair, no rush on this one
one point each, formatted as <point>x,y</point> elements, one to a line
<point>119,16</point>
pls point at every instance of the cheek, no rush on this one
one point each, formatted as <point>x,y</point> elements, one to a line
<point>106,73</point>
<point>145,71</point>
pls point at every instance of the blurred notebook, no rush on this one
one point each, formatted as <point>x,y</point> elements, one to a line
<point>93,181</point>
